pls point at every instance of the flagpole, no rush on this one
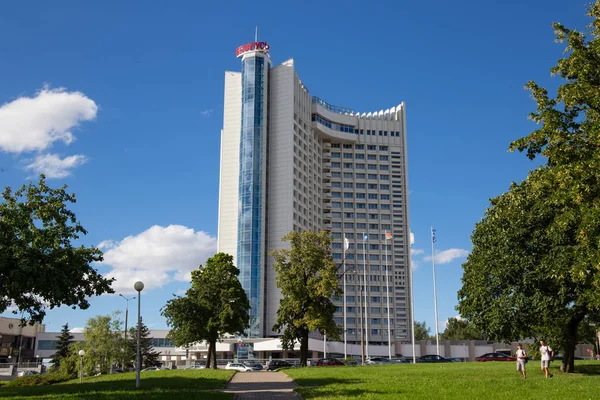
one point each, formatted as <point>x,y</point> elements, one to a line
<point>412,299</point>
<point>344,276</point>
<point>437,333</point>
<point>365,237</point>
<point>387,284</point>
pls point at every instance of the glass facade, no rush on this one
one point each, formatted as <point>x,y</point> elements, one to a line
<point>250,218</point>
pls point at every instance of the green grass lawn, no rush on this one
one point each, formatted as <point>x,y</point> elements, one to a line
<point>176,384</point>
<point>473,380</point>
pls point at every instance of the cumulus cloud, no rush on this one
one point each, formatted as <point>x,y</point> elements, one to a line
<point>35,123</point>
<point>53,166</point>
<point>447,256</point>
<point>157,256</point>
<point>416,252</point>
<point>76,330</point>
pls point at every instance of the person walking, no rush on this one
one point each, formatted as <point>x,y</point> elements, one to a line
<point>547,354</point>
<point>521,360</point>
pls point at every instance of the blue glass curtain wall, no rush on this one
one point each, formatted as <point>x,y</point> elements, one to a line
<point>249,251</point>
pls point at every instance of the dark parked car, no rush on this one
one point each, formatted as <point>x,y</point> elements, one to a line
<point>256,366</point>
<point>560,357</point>
<point>274,364</point>
<point>495,357</point>
<point>432,358</point>
<point>329,362</point>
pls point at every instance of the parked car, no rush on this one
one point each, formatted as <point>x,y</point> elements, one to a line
<point>238,367</point>
<point>117,371</point>
<point>329,362</point>
<point>495,357</point>
<point>432,358</point>
<point>559,357</point>
<point>456,359</point>
<point>275,364</point>
<point>151,369</point>
<point>255,365</point>
<point>378,360</point>
<point>352,363</point>
<point>196,366</point>
<point>26,373</point>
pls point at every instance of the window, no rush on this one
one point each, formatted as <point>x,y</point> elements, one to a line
<point>360,157</point>
<point>336,235</point>
<point>360,185</point>
<point>361,205</point>
<point>372,166</point>
<point>361,225</point>
<point>371,147</point>
<point>385,206</point>
<point>335,145</point>
<point>372,157</point>
<point>348,225</point>
<point>348,215</point>
<point>383,148</point>
<point>348,165</point>
<point>336,256</point>
<point>372,186</point>
<point>361,215</point>
<point>373,196</point>
<point>335,155</point>
<point>375,321</point>
<point>336,214</point>
<point>336,224</point>
<point>46,344</point>
<point>383,158</point>
<point>372,176</point>
<point>348,195</point>
<point>385,197</point>
<point>372,206</point>
<point>384,187</point>
<point>359,146</point>
<point>336,204</point>
<point>375,299</point>
<point>336,245</point>
<point>336,174</point>
<point>384,167</point>
<point>360,176</point>
<point>374,226</point>
<point>335,165</point>
<point>375,331</point>
<point>348,175</point>
<point>347,146</point>
<point>380,133</point>
<point>348,205</point>
<point>360,166</point>
<point>375,310</point>
<point>360,195</point>
<point>373,246</point>
<point>350,299</point>
<point>348,185</point>
<point>347,155</point>
<point>374,257</point>
<point>336,194</point>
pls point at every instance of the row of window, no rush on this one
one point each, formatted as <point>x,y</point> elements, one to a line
<point>371,167</point>
<point>360,156</point>
<point>359,246</point>
<point>372,310</point>
<point>360,257</point>
<point>374,332</point>
<point>51,344</point>
<point>333,125</point>
<point>359,175</point>
<point>370,236</point>
<point>381,133</point>
<point>358,146</point>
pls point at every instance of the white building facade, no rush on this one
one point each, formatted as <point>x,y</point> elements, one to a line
<point>292,162</point>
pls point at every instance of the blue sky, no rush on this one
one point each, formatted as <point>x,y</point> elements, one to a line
<point>139,85</point>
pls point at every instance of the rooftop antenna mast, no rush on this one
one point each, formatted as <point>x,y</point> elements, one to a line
<point>256,34</point>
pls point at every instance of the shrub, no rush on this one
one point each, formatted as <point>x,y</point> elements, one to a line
<point>39,380</point>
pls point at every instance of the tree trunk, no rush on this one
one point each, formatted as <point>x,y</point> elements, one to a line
<point>304,348</point>
<point>209,356</point>
<point>568,362</point>
<point>214,347</point>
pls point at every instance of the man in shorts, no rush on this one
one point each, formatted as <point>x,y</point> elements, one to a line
<point>547,354</point>
<point>521,360</point>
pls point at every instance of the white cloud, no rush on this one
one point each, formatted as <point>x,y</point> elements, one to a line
<point>76,330</point>
<point>53,166</point>
<point>447,256</point>
<point>207,112</point>
<point>157,256</point>
<point>416,252</point>
<point>34,123</point>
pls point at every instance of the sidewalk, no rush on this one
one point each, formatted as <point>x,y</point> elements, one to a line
<point>262,385</point>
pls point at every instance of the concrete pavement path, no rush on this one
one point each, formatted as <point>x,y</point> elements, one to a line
<point>262,385</point>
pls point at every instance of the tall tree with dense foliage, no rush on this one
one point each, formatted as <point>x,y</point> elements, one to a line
<point>461,329</point>
<point>421,331</point>
<point>65,339</point>
<point>40,267</point>
<point>214,305</point>
<point>150,358</point>
<point>103,344</point>
<point>307,277</point>
<point>535,266</point>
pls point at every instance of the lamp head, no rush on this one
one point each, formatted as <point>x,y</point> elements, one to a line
<point>139,286</point>
<point>81,353</point>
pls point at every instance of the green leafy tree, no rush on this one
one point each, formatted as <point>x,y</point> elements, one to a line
<point>103,344</point>
<point>214,305</point>
<point>535,266</point>
<point>307,277</point>
<point>421,331</point>
<point>461,329</point>
<point>65,339</point>
<point>150,358</point>
<point>40,267</point>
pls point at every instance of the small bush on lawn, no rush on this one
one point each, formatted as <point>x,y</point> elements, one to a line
<point>39,380</point>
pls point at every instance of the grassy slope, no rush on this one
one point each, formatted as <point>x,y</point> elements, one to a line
<point>192,384</point>
<point>492,380</point>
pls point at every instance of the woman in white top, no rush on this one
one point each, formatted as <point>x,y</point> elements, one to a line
<point>521,360</point>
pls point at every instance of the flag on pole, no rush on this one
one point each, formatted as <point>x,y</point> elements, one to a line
<point>433,235</point>
<point>365,237</point>
<point>346,243</point>
<point>388,236</point>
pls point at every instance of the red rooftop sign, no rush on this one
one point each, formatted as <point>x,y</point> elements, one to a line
<point>253,46</point>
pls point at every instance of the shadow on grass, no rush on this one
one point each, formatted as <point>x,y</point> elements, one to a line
<point>313,387</point>
<point>151,388</point>
<point>588,369</point>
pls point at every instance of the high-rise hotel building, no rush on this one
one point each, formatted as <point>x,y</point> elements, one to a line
<point>291,161</point>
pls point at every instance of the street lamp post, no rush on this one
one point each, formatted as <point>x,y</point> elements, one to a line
<point>126,311</point>
<point>138,286</point>
<point>81,354</point>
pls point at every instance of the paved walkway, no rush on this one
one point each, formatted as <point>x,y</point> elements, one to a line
<point>262,385</point>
